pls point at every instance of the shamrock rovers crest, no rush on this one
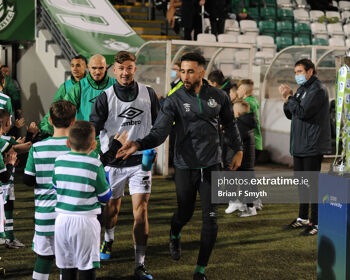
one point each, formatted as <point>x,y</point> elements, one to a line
<point>7,13</point>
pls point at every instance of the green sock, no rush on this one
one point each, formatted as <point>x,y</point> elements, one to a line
<point>42,268</point>
<point>9,225</point>
<point>200,269</point>
<point>175,236</point>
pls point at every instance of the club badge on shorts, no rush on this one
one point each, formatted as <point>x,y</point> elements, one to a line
<point>212,103</point>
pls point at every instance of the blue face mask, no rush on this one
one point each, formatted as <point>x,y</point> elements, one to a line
<point>173,74</point>
<point>300,79</point>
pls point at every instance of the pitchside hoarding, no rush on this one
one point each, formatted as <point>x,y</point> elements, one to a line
<point>17,20</point>
<point>93,26</point>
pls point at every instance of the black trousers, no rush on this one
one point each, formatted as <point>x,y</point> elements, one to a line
<point>188,182</point>
<point>312,163</point>
<point>217,26</point>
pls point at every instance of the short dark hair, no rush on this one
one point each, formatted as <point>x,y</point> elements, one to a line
<point>123,56</point>
<point>307,63</point>
<point>81,135</point>
<point>217,76</point>
<point>62,113</point>
<point>4,116</point>
<point>194,57</point>
<point>80,57</point>
<point>4,66</point>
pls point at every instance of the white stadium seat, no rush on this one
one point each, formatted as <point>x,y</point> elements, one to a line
<point>302,4</point>
<point>335,29</point>
<point>315,15</point>
<point>246,39</point>
<point>336,42</point>
<point>335,4</point>
<point>347,43</point>
<point>344,6</point>
<point>345,16</point>
<point>249,27</point>
<point>232,27</point>
<point>346,28</point>
<point>239,74</point>
<point>265,43</point>
<point>333,14</point>
<point>319,30</point>
<point>262,58</point>
<point>205,37</point>
<point>227,38</point>
<point>285,4</point>
<point>301,15</point>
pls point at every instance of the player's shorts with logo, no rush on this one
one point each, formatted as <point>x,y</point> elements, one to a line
<point>44,245</point>
<point>139,181</point>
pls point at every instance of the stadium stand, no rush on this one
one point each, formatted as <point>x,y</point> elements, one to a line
<point>301,15</point>
<point>227,38</point>
<point>315,15</point>
<point>335,30</point>
<point>319,30</point>
<point>319,42</point>
<point>337,42</point>
<point>249,27</point>
<point>246,39</point>
<point>206,37</point>
<point>344,6</point>
<point>232,27</point>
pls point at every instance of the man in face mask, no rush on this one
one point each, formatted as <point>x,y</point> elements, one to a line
<point>310,137</point>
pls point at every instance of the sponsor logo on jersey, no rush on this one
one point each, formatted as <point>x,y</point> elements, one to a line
<point>187,107</point>
<point>7,14</point>
<point>130,113</point>
<point>341,86</point>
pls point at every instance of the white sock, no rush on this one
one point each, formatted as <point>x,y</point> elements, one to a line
<point>302,220</point>
<point>109,234</point>
<point>140,252</point>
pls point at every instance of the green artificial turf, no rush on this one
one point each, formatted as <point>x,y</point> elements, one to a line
<point>247,248</point>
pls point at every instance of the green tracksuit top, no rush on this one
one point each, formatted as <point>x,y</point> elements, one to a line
<point>45,125</point>
<point>254,107</point>
<point>84,93</point>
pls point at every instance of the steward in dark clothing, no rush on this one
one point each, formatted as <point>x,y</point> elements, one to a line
<point>246,123</point>
<point>191,18</point>
<point>309,111</point>
<point>218,10</point>
<point>310,136</point>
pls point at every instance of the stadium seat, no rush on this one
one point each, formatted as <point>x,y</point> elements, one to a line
<point>315,15</point>
<point>246,39</point>
<point>319,30</point>
<point>345,16</point>
<point>269,3</point>
<point>302,29</point>
<point>335,29</point>
<point>265,43</point>
<point>333,14</point>
<point>254,13</point>
<point>227,38</point>
<point>249,27</point>
<point>232,27</point>
<point>346,28</point>
<point>302,4</point>
<point>336,42</point>
<point>285,4</point>
<point>263,58</point>
<point>205,37</point>
<point>268,13</point>
<point>335,4</point>
<point>319,42</point>
<point>283,42</point>
<point>347,43</point>
<point>283,14</point>
<point>284,27</point>
<point>344,6</point>
<point>267,26</point>
<point>255,3</point>
<point>301,15</point>
<point>239,74</point>
<point>302,41</point>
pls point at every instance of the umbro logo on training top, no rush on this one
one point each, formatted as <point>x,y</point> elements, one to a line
<point>130,113</point>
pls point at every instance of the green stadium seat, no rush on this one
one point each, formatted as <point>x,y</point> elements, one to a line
<point>319,42</point>
<point>255,3</point>
<point>283,14</point>
<point>284,27</point>
<point>302,41</point>
<point>302,29</point>
<point>269,3</point>
<point>267,26</point>
<point>254,13</point>
<point>283,42</point>
<point>268,13</point>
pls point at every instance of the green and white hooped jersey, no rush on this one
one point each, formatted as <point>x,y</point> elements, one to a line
<point>2,169</point>
<point>9,140</point>
<point>40,163</point>
<point>79,180</point>
<point>5,103</point>
<point>135,117</point>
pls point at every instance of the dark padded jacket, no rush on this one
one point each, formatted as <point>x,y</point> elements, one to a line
<point>309,111</point>
<point>246,124</point>
<point>196,129</point>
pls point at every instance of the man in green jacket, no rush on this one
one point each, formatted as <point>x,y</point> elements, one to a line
<point>78,67</point>
<point>84,93</point>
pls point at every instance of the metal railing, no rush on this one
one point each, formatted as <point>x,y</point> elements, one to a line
<point>57,36</point>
